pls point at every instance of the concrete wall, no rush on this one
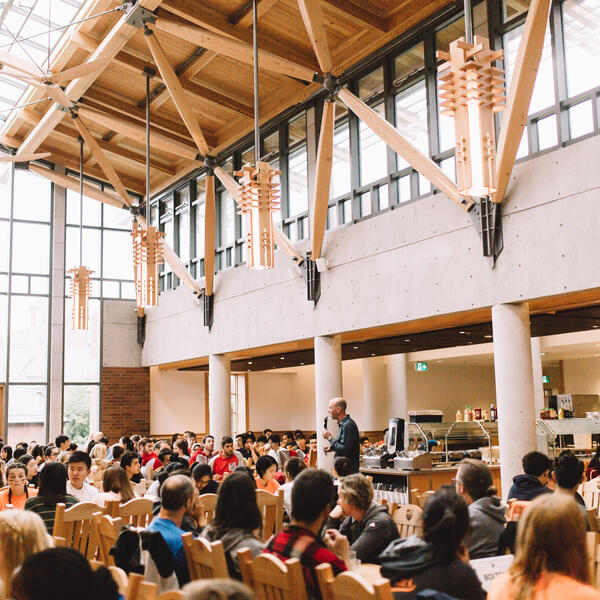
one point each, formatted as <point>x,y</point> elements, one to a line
<point>420,260</point>
<point>582,376</point>
<point>120,347</point>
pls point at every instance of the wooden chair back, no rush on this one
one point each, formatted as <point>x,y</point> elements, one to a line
<point>172,595</point>
<point>106,530</point>
<point>312,459</point>
<point>138,589</point>
<point>271,578</point>
<point>96,478</point>
<point>591,515</point>
<point>424,497</point>
<point>590,492</point>
<point>271,509</point>
<point>139,489</point>
<point>136,512</point>
<point>75,526</point>
<point>408,519</point>
<point>516,509</point>
<point>350,586</point>
<point>206,560</point>
<point>592,541</point>
<point>208,504</point>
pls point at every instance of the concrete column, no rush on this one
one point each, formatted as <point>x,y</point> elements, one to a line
<point>54,420</point>
<point>397,386</point>
<point>375,409</point>
<point>538,385</point>
<point>328,385</point>
<point>219,396</point>
<point>514,388</point>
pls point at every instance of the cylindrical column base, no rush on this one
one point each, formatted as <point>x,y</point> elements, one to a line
<point>538,384</point>
<point>398,388</point>
<point>219,397</point>
<point>374,409</point>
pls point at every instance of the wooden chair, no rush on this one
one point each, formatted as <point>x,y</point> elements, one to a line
<point>408,519</point>
<point>350,586</point>
<point>592,541</point>
<point>312,459</point>
<point>138,589</point>
<point>590,492</point>
<point>172,595</point>
<point>424,497</point>
<point>106,530</point>
<point>206,560</point>
<point>272,579</point>
<point>516,509</point>
<point>136,512</point>
<point>591,517</point>
<point>208,503</point>
<point>75,526</point>
<point>271,509</point>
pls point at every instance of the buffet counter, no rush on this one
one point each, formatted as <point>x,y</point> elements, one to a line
<point>405,485</point>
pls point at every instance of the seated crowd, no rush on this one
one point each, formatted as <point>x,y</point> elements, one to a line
<point>329,519</point>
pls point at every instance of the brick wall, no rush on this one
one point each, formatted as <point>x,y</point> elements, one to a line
<point>125,402</point>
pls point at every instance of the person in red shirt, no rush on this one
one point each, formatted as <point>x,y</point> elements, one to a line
<point>146,447</point>
<point>311,495</point>
<point>205,454</point>
<point>226,461</point>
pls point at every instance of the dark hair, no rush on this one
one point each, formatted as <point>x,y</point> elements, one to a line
<point>25,458</point>
<point>275,438</point>
<point>61,439</point>
<point>293,466</point>
<point>9,452</point>
<point>79,456</point>
<point>37,450</point>
<point>201,470</point>
<point>251,435</point>
<point>72,447</point>
<point>262,438</point>
<point>535,463</point>
<point>178,466</point>
<point>174,437</point>
<point>313,436</point>
<point>311,494</point>
<point>363,439</point>
<point>62,573</point>
<point>183,446</point>
<point>90,445</point>
<point>48,450</point>
<point>247,470</point>
<point>127,443</point>
<point>595,462</point>
<point>342,466</point>
<point>127,458</point>
<point>136,438</point>
<point>299,436</point>
<point>19,452</point>
<point>190,433</point>
<point>226,440</point>
<point>53,483</point>
<point>104,440</point>
<point>263,463</point>
<point>165,452</point>
<point>267,430</point>
<point>445,523</point>
<point>175,492</point>
<point>236,504</point>
<point>476,478</point>
<point>289,434</point>
<point>245,438</point>
<point>117,452</point>
<point>568,470</point>
<point>212,437</point>
<point>298,432</point>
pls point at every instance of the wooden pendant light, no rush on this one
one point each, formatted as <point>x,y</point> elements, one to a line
<point>257,199</point>
<point>473,90</point>
<point>148,255</point>
<point>81,288</point>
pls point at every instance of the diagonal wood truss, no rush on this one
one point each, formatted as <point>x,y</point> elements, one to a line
<point>217,37</point>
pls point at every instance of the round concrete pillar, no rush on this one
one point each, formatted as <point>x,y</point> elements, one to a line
<point>538,384</point>
<point>514,388</point>
<point>219,397</point>
<point>397,386</point>
<point>375,406</point>
<point>328,385</point>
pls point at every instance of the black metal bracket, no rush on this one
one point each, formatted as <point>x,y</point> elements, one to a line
<point>138,16</point>
<point>210,162</point>
<point>487,219</point>
<point>312,278</point>
<point>141,329</point>
<point>208,308</point>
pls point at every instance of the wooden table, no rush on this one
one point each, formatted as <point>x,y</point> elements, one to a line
<point>370,572</point>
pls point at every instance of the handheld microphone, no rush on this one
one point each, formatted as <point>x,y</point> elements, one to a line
<point>325,422</point>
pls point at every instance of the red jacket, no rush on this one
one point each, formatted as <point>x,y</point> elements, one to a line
<point>148,456</point>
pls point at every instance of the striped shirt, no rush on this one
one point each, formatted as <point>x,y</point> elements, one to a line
<point>38,505</point>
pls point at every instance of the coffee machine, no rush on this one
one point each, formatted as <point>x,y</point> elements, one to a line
<point>395,442</point>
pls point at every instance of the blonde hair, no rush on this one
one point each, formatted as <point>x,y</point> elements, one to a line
<point>357,490</point>
<point>98,452</point>
<point>550,539</point>
<point>22,533</point>
<point>114,479</point>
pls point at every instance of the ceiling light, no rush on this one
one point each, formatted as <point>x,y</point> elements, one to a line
<point>282,358</point>
<point>595,326</point>
<point>543,353</point>
<point>301,363</point>
<point>488,337</point>
<point>462,332</point>
<point>372,354</point>
<point>407,340</point>
<point>355,347</point>
<point>440,361</point>
<point>249,362</point>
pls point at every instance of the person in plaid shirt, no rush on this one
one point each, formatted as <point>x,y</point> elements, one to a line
<point>311,498</point>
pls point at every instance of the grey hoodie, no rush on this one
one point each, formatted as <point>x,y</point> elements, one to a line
<point>233,540</point>
<point>486,523</point>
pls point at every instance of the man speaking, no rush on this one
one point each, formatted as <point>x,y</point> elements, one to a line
<point>347,441</point>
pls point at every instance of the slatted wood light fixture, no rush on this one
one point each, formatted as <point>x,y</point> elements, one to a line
<point>258,196</point>
<point>473,90</point>
<point>81,284</point>
<point>147,241</point>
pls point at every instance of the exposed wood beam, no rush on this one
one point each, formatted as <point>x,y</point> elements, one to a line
<point>243,17</point>
<point>357,14</point>
<point>413,12</point>
<point>174,86</point>
<point>315,27</point>
<point>520,92</point>
<point>392,137</point>
<point>137,64</point>
<point>183,170</point>
<point>209,236</point>
<point>101,158</point>
<point>137,132</point>
<point>203,16</point>
<point>234,49</point>
<point>112,43</point>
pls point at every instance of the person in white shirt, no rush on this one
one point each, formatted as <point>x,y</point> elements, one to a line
<point>78,469</point>
<point>292,467</point>
<point>274,443</point>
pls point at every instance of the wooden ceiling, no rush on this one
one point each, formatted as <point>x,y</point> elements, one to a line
<point>218,88</point>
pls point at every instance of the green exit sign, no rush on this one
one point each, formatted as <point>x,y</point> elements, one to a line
<point>545,379</point>
<point>421,366</point>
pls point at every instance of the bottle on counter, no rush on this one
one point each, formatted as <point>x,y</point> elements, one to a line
<point>485,415</point>
<point>459,415</point>
<point>467,412</point>
<point>478,414</point>
<point>493,413</point>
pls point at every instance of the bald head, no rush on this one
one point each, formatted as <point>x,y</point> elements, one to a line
<point>337,409</point>
<point>175,492</point>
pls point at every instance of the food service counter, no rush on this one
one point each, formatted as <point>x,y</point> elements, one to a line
<point>400,485</point>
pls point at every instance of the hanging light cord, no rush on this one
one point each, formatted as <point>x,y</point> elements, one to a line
<point>147,150</point>
<point>468,22</point>
<point>80,201</point>
<point>255,49</point>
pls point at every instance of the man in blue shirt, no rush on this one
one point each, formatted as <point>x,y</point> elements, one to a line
<point>347,441</point>
<point>176,495</point>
